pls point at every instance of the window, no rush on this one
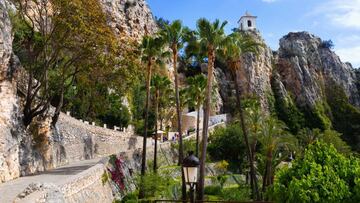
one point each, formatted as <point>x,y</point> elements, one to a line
<point>241,26</point>
<point>249,23</point>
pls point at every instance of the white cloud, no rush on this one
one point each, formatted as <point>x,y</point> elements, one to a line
<point>350,54</point>
<point>341,13</point>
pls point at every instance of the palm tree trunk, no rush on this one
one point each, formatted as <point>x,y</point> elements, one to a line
<point>197,130</point>
<point>267,179</point>
<point>253,179</point>
<point>211,57</point>
<point>143,161</point>
<point>156,129</point>
<point>178,112</point>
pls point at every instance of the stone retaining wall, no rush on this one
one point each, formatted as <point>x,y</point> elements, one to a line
<point>82,141</point>
<point>88,187</point>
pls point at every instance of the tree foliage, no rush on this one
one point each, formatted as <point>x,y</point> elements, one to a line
<point>323,175</point>
<point>227,144</point>
<point>345,117</point>
<point>55,40</point>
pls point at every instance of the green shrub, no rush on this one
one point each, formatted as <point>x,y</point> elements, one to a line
<point>318,116</point>
<point>213,190</point>
<point>346,117</point>
<point>129,198</point>
<point>160,185</point>
<point>226,143</point>
<point>323,175</point>
<point>236,194</point>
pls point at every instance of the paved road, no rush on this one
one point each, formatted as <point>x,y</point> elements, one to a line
<point>58,176</point>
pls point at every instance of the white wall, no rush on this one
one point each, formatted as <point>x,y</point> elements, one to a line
<point>244,21</point>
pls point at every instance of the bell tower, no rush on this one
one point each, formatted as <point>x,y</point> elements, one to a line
<point>247,22</point>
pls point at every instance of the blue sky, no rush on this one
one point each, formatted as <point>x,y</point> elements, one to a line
<point>338,20</point>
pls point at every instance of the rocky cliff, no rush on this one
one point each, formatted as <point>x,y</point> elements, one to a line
<point>131,18</point>
<point>254,76</point>
<point>9,148</point>
<point>305,83</point>
<point>306,67</point>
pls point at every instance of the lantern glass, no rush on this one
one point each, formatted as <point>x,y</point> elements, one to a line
<point>190,174</point>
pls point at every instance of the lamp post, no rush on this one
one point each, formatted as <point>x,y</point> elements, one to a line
<point>190,167</point>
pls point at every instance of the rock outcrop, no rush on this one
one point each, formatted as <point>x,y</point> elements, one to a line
<point>254,76</point>
<point>9,146</point>
<point>303,65</point>
<point>306,67</point>
<point>131,18</point>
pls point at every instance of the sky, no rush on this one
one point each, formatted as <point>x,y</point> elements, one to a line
<point>338,20</point>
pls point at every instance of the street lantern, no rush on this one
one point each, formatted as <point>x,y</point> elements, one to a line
<point>190,167</point>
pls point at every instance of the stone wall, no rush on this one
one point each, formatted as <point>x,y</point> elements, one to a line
<point>86,186</point>
<point>83,141</point>
<point>74,140</point>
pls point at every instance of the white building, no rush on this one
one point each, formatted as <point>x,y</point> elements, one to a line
<point>247,22</point>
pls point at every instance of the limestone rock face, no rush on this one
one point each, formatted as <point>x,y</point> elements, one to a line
<point>255,73</point>
<point>9,147</point>
<point>306,67</point>
<point>253,76</point>
<point>132,18</point>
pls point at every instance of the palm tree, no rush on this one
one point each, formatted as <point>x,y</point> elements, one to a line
<point>160,85</point>
<point>173,34</point>
<point>196,92</point>
<point>152,51</point>
<point>236,45</point>
<point>210,36</point>
<point>272,138</point>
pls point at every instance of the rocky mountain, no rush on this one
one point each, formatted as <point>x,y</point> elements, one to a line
<point>306,66</point>
<point>254,76</point>
<point>302,67</point>
<point>305,83</point>
<point>132,18</point>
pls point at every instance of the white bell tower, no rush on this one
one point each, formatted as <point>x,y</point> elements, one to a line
<point>247,22</point>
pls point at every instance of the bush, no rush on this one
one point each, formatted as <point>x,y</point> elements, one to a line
<point>226,143</point>
<point>129,198</point>
<point>213,190</point>
<point>236,194</point>
<point>323,175</point>
<point>328,44</point>
<point>160,185</point>
<point>286,109</point>
<point>346,117</point>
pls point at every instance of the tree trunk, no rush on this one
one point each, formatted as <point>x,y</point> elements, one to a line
<point>197,130</point>
<point>147,103</point>
<point>55,118</point>
<point>267,179</point>
<point>178,112</point>
<point>211,57</point>
<point>156,129</point>
<point>253,179</point>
